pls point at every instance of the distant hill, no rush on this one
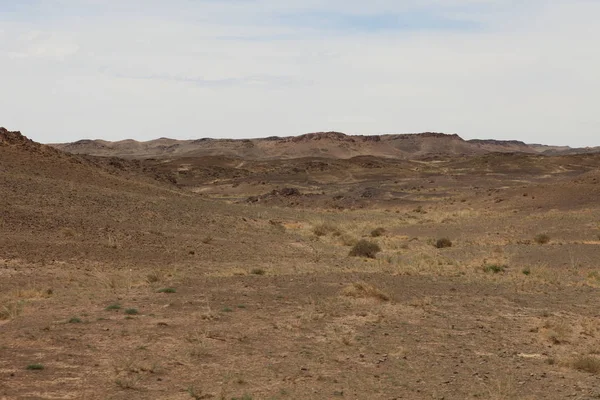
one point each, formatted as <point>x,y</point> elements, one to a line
<point>334,145</point>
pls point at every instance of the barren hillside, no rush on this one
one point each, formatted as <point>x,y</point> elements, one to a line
<point>321,144</point>
<point>356,276</point>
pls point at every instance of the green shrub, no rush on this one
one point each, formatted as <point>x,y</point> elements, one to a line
<point>35,367</point>
<point>167,290</point>
<point>131,311</point>
<point>364,248</point>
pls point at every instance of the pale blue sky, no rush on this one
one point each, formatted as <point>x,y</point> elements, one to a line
<point>142,69</point>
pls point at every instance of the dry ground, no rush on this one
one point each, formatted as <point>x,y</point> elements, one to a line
<point>114,285</point>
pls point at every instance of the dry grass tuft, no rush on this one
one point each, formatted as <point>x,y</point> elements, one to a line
<point>365,291</point>
<point>587,364</point>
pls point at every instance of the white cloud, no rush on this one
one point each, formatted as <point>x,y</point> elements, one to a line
<point>235,69</point>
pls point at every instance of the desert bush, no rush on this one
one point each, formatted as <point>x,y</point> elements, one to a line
<point>588,364</point>
<point>443,243</point>
<point>325,229</point>
<point>258,271</point>
<point>364,248</point>
<point>364,290</point>
<point>35,367</point>
<point>542,238</point>
<point>377,232</point>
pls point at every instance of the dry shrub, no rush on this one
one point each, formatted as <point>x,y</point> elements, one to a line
<point>377,232</point>
<point>588,364</point>
<point>348,240</point>
<point>364,290</point>
<point>325,229</point>
<point>443,243</point>
<point>364,248</point>
<point>542,238</point>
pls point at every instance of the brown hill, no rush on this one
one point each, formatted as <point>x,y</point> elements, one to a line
<point>60,206</point>
<point>320,144</point>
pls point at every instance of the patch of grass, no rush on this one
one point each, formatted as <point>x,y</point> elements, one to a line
<point>526,271</point>
<point>443,243</point>
<point>258,271</point>
<point>365,290</point>
<point>377,232</point>
<point>226,309</point>
<point>587,364</point>
<point>197,393</point>
<point>131,311</point>
<point>75,320</point>
<point>495,268</point>
<point>167,290</point>
<point>11,310</point>
<point>115,306</point>
<point>35,367</point>
<point>364,248</point>
<point>542,238</point>
<point>154,277</point>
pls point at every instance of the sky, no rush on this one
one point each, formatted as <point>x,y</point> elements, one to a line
<point>144,69</point>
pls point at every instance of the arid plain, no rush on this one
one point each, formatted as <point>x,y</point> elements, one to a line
<point>223,269</point>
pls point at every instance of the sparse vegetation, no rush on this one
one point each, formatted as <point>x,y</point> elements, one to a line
<point>75,320</point>
<point>131,311</point>
<point>325,229</point>
<point>112,307</point>
<point>364,248</point>
<point>494,268</point>
<point>167,290</point>
<point>443,243</point>
<point>542,238</point>
<point>11,309</point>
<point>588,364</point>
<point>526,271</point>
<point>227,309</point>
<point>35,367</point>
<point>365,290</point>
<point>258,271</point>
<point>377,232</point>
